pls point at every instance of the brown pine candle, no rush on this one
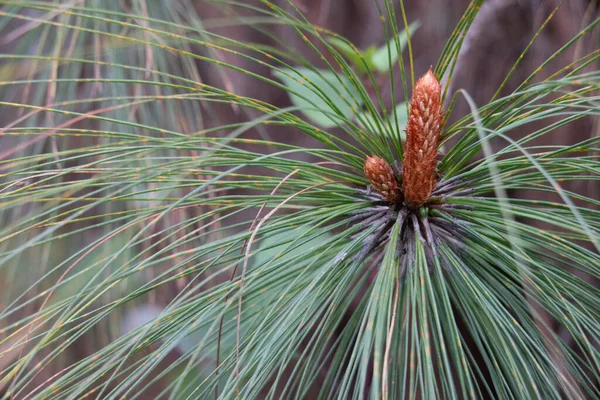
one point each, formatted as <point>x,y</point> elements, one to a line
<point>422,139</point>
<point>382,179</point>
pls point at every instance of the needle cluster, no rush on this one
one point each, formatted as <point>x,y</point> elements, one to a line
<point>413,195</point>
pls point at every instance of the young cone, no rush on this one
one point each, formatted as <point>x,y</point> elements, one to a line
<point>422,139</point>
<point>382,178</point>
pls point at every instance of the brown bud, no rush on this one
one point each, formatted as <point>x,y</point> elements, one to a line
<point>382,178</point>
<point>422,139</point>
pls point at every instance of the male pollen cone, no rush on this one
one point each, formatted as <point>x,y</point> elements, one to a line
<point>382,178</point>
<point>422,139</point>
